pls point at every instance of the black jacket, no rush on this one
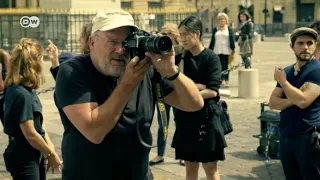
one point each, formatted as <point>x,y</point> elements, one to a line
<point>246,30</point>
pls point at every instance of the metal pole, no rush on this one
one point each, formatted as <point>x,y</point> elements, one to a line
<point>265,16</point>
<point>211,15</point>
<point>196,5</point>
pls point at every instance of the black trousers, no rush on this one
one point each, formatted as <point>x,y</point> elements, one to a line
<point>247,62</point>
<point>24,163</point>
<point>224,66</point>
<point>299,160</point>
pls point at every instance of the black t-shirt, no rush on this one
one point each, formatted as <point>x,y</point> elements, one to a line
<point>204,68</point>
<point>54,72</point>
<point>21,104</point>
<point>293,120</point>
<point>78,82</point>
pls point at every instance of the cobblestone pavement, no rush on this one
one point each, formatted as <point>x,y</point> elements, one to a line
<point>242,161</point>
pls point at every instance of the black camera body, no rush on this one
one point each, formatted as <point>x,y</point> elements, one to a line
<point>139,42</point>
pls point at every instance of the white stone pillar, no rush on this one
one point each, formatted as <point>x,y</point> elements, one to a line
<point>248,83</point>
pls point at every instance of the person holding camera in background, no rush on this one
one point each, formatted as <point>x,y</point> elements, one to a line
<point>106,102</point>
<point>171,30</point>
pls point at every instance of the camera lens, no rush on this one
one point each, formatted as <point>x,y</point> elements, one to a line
<point>163,44</point>
<point>156,44</point>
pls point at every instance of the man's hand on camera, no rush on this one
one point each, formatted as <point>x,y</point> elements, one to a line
<point>164,63</point>
<point>135,71</point>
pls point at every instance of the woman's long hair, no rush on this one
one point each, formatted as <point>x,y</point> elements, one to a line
<point>26,64</point>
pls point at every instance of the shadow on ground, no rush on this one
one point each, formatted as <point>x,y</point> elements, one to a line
<point>263,172</point>
<point>269,170</point>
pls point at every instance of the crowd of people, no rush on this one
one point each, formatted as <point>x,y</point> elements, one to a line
<point>107,99</point>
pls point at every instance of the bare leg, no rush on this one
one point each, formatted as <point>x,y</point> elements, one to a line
<point>192,169</point>
<point>211,170</point>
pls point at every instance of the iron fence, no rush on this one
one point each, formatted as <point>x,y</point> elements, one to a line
<point>63,27</point>
<point>279,29</point>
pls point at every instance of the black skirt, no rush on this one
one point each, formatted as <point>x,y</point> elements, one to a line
<point>199,135</point>
<point>203,157</point>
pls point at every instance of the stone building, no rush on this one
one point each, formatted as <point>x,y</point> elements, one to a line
<point>282,16</point>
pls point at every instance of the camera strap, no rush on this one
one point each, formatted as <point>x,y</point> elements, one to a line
<point>160,102</point>
<point>160,97</point>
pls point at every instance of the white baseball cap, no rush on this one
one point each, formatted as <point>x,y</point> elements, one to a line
<point>105,21</point>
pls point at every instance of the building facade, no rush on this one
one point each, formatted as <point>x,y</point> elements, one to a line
<point>282,15</point>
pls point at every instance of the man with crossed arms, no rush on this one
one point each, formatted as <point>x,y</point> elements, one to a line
<point>297,96</point>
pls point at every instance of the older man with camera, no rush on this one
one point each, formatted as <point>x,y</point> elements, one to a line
<point>106,100</point>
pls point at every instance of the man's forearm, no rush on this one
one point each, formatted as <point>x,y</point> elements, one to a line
<point>294,94</point>
<point>208,93</point>
<point>188,94</point>
<point>279,103</point>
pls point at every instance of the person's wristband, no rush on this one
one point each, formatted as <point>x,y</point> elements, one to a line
<point>171,78</point>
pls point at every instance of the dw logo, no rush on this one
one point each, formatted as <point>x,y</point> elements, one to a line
<point>32,21</point>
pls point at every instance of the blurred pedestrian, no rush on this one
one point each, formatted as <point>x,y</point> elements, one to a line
<point>222,43</point>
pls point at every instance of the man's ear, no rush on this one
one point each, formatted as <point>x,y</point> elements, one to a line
<point>291,45</point>
<point>91,42</point>
<point>198,34</point>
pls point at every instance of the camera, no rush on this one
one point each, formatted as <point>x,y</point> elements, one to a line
<point>139,42</point>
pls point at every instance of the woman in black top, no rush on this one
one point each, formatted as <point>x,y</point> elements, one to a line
<point>199,136</point>
<point>29,148</point>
